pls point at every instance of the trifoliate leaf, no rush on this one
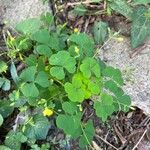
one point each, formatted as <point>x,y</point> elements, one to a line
<point>1,119</point>
<point>14,140</point>
<point>69,107</point>
<point>114,74</point>
<point>29,26</point>
<point>140,26</point>
<point>43,36</point>
<point>29,90</point>
<point>75,93</point>
<point>57,72</point>
<point>42,79</point>
<point>88,134</point>
<point>3,66</point>
<point>44,50</point>
<point>28,74</point>
<point>100,31</point>
<point>85,43</point>
<point>69,124</point>
<point>90,67</point>
<point>38,128</point>
<point>104,106</point>
<point>64,60</point>
<point>122,7</point>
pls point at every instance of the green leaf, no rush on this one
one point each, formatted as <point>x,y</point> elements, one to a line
<point>90,67</point>
<point>94,87</point>
<point>42,79</point>
<point>75,93</point>
<point>4,84</point>
<point>47,18</point>
<point>100,31</point>
<point>2,147</point>
<point>14,140</point>
<point>13,72</point>
<point>31,60</point>
<point>57,72</point>
<point>3,66</point>
<point>69,107</point>
<point>79,10</point>
<point>38,128</point>
<point>28,74</point>
<point>85,43</point>
<point>114,74</point>
<point>122,7</point>
<point>29,90</point>
<point>88,134</point>
<point>124,102</point>
<point>140,27</point>
<point>69,124</point>
<point>104,106</point>
<point>1,119</point>
<point>44,50</point>
<point>58,61</point>
<point>139,2</point>
<point>29,26</point>
<point>5,108</point>
<point>41,36</point>
<point>113,87</point>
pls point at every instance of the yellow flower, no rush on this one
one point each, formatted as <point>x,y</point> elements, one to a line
<point>120,39</point>
<point>76,30</point>
<point>47,112</point>
<point>76,49</point>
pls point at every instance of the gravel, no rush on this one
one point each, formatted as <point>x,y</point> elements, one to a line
<point>16,10</point>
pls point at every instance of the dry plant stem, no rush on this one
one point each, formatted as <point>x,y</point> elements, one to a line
<point>122,139</point>
<point>139,140</point>
<point>78,3</point>
<point>106,142</point>
<point>137,50</point>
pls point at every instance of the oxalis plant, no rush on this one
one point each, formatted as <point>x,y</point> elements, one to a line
<point>61,72</point>
<point>137,12</point>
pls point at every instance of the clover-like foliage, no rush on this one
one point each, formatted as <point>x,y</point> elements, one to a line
<point>61,62</point>
<point>60,74</point>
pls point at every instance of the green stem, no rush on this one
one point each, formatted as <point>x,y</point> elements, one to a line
<point>86,137</point>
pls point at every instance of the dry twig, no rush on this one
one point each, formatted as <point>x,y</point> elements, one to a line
<point>139,140</point>
<point>106,142</point>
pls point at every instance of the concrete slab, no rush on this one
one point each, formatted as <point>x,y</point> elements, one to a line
<point>136,70</point>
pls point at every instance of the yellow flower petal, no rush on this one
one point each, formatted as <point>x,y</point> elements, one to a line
<point>48,112</point>
<point>76,30</point>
